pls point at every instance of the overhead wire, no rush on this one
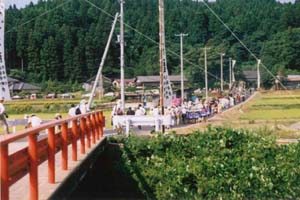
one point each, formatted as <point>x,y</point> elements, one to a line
<point>241,42</point>
<point>155,42</point>
<point>41,15</point>
<point>150,39</point>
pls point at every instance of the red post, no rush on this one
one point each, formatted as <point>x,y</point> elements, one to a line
<point>64,151</point>
<point>102,121</point>
<point>97,125</point>
<point>74,140</point>
<point>51,155</point>
<point>33,167</point>
<point>82,139</point>
<point>93,128</point>
<point>4,172</point>
<point>88,130</point>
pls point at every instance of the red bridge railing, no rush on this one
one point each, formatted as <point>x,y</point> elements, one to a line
<point>87,128</point>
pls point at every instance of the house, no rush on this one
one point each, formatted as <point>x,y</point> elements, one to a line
<point>154,81</point>
<point>16,86</point>
<point>88,85</point>
<point>128,83</point>
<point>292,82</point>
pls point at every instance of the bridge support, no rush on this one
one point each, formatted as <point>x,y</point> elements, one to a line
<point>4,172</point>
<point>33,167</point>
<point>51,155</point>
<point>74,139</point>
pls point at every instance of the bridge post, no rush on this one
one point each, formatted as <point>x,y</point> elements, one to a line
<point>102,122</point>
<point>64,149</point>
<point>74,139</point>
<point>33,167</point>
<point>51,155</point>
<point>82,139</point>
<point>97,124</point>
<point>4,172</point>
<point>93,130</point>
<point>95,127</point>
<point>88,130</point>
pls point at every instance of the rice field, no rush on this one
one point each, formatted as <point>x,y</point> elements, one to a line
<point>272,106</point>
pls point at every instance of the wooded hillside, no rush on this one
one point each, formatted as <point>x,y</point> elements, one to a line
<point>66,44</point>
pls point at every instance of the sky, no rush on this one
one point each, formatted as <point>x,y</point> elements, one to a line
<point>22,3</point>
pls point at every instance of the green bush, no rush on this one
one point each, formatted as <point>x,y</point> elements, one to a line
<point>216,164</point>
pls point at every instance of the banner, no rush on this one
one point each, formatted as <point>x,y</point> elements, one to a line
<point>168,93</point>
<point>4,90</point>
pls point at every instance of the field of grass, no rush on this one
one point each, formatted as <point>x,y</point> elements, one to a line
<point>272,106</point>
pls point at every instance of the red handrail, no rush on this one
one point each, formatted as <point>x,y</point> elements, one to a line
<point>27,160</point>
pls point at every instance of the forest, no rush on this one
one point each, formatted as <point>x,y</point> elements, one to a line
<point>63,40</point>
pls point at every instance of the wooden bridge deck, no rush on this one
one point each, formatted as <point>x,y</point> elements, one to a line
<point>20,190</point>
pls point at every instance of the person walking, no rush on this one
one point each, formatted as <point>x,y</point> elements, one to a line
<point>34,121</point>
<point>83,106</point>
<point>3,115</point>
<point>72,110</point>
<point>130,111</point>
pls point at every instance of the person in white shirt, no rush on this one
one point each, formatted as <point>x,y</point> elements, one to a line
<point>34,121</point>
<point>72,111</point>
<point>155,111</point>
<point>83,106</point>
<point>3,116</point>
<point>142,109</point>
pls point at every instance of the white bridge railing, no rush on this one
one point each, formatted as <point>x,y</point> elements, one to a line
<point>146,120</point>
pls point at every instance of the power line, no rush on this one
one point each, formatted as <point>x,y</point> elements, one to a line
<point>33,19</point>
<point>240,41</point>
<point>150,39</point>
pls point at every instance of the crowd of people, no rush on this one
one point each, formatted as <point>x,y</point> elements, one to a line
<point>193,111</point>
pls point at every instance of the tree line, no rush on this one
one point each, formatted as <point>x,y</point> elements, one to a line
<point>66,44</point>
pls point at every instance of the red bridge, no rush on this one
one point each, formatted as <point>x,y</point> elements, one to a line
<point>42,144</point>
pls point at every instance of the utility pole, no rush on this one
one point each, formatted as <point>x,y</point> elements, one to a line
<point>232,71</point>
<point>230,74</point>
<point>221,74</point>
<point>206,81</point>
<point>161,55</point>
<point>258,74</point>
<point>181,35</point>
<point>122,54</point>
<point>99,73</point>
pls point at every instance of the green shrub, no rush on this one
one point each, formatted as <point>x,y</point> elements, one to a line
<point>216,164</point>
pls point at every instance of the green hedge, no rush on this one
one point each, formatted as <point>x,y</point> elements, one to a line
<point>216,164</point>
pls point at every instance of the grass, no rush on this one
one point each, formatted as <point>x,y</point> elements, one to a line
<point>272,106</point>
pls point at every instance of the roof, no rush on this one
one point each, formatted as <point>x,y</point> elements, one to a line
<point>293,78</point>
<point>106,79</point>
<point>18,85</point>
<point>250,75</point>
<point>9,79</point>
<point>126,80</point>
<point>151,79</point>
<point>27,86</point>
